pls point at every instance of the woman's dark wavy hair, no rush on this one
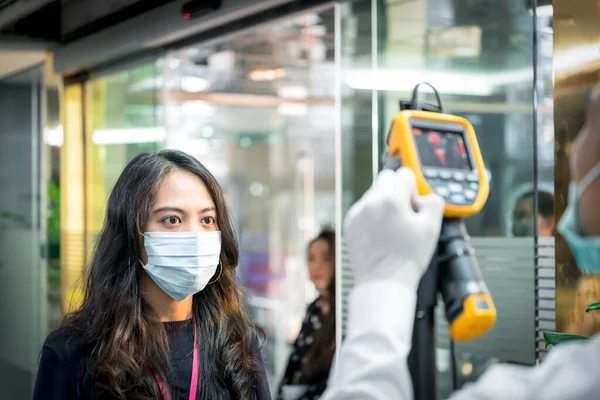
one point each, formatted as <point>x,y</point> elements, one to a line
<point>128,341</point>
<point>319,358</point>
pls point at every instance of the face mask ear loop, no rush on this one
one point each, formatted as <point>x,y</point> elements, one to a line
<point>587,180</point>
<point>220,273</point>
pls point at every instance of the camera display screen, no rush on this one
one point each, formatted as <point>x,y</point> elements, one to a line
<point>441,149</point>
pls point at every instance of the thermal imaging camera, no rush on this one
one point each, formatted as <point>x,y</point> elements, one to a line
<point>443,152</point>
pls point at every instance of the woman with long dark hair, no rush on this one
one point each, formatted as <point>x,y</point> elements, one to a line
<point>163,316</point>
<point>305,377</point>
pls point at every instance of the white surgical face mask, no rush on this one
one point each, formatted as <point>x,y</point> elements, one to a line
<point>182,263</point>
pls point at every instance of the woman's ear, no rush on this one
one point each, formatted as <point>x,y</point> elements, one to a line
<point>143,254</point>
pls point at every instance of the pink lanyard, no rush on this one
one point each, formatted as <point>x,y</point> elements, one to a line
<point>195,371</point>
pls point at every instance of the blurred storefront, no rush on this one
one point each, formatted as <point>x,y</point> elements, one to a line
<point>290,112</point>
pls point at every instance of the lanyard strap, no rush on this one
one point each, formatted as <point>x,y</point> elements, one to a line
<point>195,370</point>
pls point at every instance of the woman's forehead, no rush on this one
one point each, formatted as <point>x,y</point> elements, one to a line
<point>182,189</point>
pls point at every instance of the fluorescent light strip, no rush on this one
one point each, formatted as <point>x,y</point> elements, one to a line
<point>544,11</point>
<point>445,82</point>
<point>54,136</point>
<point>576,57</point>
<point>128,136</point>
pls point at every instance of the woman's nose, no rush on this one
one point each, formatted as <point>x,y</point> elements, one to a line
<point>194,226</point>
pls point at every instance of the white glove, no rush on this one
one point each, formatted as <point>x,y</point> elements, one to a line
<point>392,232</point>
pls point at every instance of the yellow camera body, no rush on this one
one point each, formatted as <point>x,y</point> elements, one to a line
<point>444,154</point>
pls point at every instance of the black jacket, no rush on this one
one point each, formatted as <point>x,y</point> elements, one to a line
<point>62,368</point>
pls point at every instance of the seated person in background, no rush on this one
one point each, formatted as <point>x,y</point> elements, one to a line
<point>306,375</point>
<point>523,218</point>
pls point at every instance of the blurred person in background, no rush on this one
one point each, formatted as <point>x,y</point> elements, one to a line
<point>162,316</point>
<point>306,375</point>
<point>523,214</point>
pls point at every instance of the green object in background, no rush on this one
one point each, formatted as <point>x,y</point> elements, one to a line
<point>593,306</point>
<point>555,338</point>
<point>53,216</point>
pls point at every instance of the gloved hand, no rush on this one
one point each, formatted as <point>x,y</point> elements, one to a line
<point>392,232</point>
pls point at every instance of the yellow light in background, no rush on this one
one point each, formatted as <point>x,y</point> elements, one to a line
<point>72,221</point>
<point>263,74</point>
<point>95,162</point>
<point>467,369</point>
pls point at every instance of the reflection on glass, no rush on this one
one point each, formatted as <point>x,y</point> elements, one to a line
<point>23,297</point>
<point>469,368</point>
<point>258,111</point>
<point>480,59</point>
<point>575,72</point>
<point>53,138</point>
<point>482,66</point>
<point>524,215</point>
<point>124,119</point>
<point>309,364</point>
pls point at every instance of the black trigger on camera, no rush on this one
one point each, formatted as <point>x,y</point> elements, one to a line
<point>391,162</point>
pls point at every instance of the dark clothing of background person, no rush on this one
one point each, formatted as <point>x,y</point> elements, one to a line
<point>302,346</point>
<point>62,367</point>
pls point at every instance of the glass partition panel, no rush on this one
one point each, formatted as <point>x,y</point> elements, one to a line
<point>123,119</point>
<point>358,122</point>
<point>258,111</point>
<point>23,286</point>
<point>53,141</point>
<point>479,56</point>
<point>574,78</point>
<point>545,246</point>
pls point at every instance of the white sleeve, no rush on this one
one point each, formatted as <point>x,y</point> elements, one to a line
<point>372,362</point>
<point>569,372</point>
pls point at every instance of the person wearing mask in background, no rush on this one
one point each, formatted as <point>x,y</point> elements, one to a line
<point>162,315</point>
<point>391,233</point>
<point>523,214</point>
<point>306,375</point>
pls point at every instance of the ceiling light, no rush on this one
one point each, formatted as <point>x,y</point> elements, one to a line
<point>543,11</point>
<point>222,61</point>
<point>245,142</point>
<point>54,136</point>
<point>128,136</point>
<point>257,189</point>
<point>316,30</point>
<point>293,92</point>
<point>256,75</point>
<point>198,108</point>
<point>207,131</point>
<point>194,84</point>
<point>292,109</point>
<point>575,57</point>
<point>466,52</point>
<point>474,84</point>
<point>261,74</point>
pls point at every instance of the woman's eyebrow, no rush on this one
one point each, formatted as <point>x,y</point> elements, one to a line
<point>181,211</point>
<point>172,209</point>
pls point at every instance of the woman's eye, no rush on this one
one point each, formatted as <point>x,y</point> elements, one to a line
<point>208,220</point>
<point>172,220</point>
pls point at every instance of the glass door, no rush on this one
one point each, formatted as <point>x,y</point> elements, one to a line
<point>258,111</point>
<point>23,267</point>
